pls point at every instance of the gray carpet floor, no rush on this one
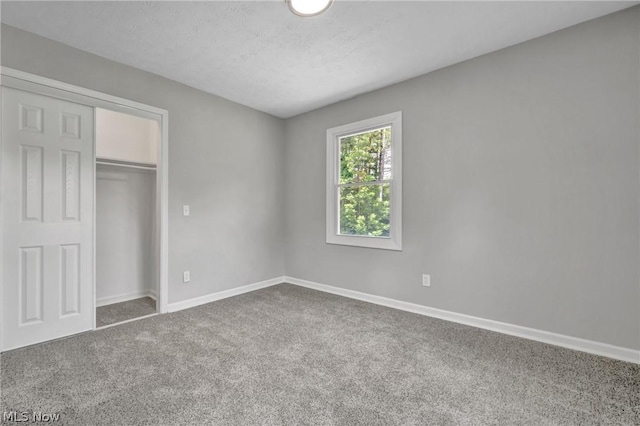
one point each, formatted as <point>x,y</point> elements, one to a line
<point>118,312</point>
<point>294,356</point>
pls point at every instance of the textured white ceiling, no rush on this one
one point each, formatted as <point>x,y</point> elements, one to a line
<point>259,54</point>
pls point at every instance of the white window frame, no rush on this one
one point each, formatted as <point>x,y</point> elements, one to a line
<point>394,241</point>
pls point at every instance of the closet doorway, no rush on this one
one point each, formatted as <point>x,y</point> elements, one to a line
<point>126,230</point>
<point>48,182</point>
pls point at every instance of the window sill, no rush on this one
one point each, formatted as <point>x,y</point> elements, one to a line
<point>366,242</point>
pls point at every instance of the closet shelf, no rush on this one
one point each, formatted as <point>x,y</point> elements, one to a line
<point>129,164</point>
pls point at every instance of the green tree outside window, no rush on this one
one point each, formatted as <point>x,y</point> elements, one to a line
<point>365,191</point>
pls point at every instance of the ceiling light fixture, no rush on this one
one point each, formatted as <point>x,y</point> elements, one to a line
<point>308,7</point>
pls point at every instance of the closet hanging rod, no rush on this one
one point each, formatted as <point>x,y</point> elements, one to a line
<point>129,164</point>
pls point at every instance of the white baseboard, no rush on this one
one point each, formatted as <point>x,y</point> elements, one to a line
<point>197,301</point>
<point>109,300</point>
<point>597,348</point>
<point>576,343</point>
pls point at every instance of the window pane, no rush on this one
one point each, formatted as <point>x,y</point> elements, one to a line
<point>366,157</point>
<point>364,210</point>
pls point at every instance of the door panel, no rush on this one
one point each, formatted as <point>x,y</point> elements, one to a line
<point>47,218</point>
<point>71,185</point>
<point>30,285</point>
<point>32,176</point>
<point>70,279</point>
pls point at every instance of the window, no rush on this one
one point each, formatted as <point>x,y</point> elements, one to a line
<point>364,183</point>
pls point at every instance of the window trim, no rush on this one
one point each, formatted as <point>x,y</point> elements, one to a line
<point>394,241</point>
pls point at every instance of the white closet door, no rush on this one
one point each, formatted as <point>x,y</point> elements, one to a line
<point>47,218</point>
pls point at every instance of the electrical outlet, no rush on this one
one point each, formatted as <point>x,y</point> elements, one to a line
<point>186,276</point>
<point>426,280</point>
<point>185,210</point>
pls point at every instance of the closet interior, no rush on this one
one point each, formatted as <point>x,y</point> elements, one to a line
<point>127,231</point>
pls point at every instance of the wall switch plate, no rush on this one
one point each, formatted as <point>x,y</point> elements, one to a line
<point>186,276</point>
<point>426,280</point>
<point>185,210</point>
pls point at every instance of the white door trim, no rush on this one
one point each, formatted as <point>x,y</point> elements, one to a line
<point>45,86</point>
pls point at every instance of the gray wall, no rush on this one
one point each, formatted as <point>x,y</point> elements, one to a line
<point>225,160</point>
<point>521,181</point>
<point>520,185</point>
<point>125,232</point>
